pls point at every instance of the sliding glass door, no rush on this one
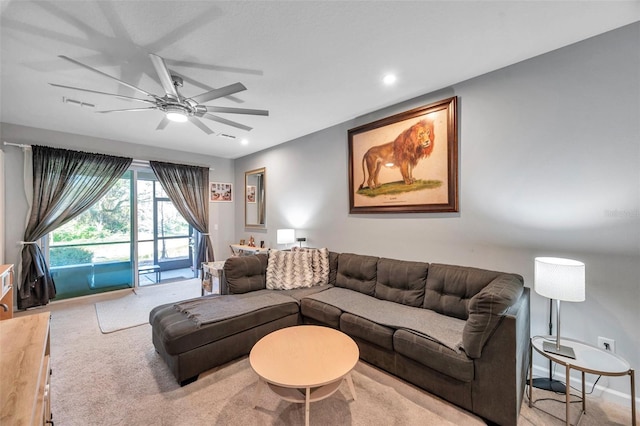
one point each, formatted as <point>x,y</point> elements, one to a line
<point>94,253</point>
<point>165,243</point>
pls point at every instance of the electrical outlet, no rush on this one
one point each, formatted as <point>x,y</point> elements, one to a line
<point>607,344</point>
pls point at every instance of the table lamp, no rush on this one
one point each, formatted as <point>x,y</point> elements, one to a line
<point>562,280</point>
<point>285,236</point>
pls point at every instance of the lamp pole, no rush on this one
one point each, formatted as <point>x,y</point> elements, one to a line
<point>542,382</point>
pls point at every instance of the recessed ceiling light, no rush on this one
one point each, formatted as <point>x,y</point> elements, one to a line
<point>244,142</point>
<point>389,79</point>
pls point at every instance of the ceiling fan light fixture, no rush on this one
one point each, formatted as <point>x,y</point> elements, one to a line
<point>176,113</point>
<point>177,116</point>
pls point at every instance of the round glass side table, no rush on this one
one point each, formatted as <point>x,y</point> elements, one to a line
<point>589,359</point>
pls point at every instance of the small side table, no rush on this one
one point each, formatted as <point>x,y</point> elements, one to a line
<point>211,272</point>
<point>244,250</point>
<point>589,359</point>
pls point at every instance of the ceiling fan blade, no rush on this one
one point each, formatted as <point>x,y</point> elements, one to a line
<point>237,110</point>
<point>103,93</point>
<point>201,125</point>
<point>197,84</point>
<point>164,75</point>
<point>163,123</point>
<point>124,83</point>
<point>235,70</point>
<point>227,122</point>
<point>218,93</point>
<point>128,110</point>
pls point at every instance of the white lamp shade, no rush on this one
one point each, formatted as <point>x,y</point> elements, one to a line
<point>560,279</point>
<point>286,236</point>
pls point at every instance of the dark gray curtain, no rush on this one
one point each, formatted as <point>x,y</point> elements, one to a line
<point>188,189</point>
<point>65,184</point>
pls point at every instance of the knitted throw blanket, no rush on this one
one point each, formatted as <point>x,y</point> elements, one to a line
<point>213,309</point>
<point>299,268</point>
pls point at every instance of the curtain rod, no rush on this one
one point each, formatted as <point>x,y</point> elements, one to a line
<point>146,164</point>
<point>138,163</point>
<point>19,145</point>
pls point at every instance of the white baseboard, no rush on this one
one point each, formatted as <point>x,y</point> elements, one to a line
<point>601,389</point>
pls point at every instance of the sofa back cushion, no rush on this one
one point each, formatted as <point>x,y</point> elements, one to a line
<point>449,288</point>
<point>401,281</point>
<point>246,273</point>
<point>357,272</point>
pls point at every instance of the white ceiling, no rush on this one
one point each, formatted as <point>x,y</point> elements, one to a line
<point>312,64</point>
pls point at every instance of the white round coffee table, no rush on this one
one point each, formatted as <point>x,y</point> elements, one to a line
<point>304,363</point>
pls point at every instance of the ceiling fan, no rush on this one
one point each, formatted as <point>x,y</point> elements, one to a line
<point>175,106</point>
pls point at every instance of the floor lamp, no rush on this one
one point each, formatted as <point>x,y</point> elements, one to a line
<point>562,280</point>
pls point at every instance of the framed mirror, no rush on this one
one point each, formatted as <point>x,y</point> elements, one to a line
<point>255,214</point>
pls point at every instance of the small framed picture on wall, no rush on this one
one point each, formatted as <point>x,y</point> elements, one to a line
<point>220,192</point>
<point>251,194</point>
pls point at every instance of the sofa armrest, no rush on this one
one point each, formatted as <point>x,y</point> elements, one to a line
<point>500,375</point>
<point>485,310</point>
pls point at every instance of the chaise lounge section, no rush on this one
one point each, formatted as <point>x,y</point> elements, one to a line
<point>458,332</point>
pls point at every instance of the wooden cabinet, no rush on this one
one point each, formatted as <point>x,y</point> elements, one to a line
<point>25,370</point>
<point>6,300</point>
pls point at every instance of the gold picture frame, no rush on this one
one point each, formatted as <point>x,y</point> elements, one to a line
<point>406,163</point>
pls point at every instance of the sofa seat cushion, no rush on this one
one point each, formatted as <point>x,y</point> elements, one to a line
<point>433,355</point>
<point>367,330</point>
<point>447,330</point>
<point>300,293</point>
<point>178,333</point>
<point>321,312</point>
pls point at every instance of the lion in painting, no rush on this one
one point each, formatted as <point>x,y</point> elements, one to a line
<point>412,145</point>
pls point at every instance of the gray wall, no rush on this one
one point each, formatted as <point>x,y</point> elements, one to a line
<point>549,166</point>
<point>221,215</point>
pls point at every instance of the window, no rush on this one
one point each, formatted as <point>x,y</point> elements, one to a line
<point>94,252</point>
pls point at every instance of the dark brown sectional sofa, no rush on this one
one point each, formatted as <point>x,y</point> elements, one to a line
<point>458,332</point>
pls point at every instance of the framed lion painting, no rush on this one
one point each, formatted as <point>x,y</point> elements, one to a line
<point>406,163</point>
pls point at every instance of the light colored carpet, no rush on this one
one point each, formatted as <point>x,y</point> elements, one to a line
<point>119,379</point>
<point>133,309</point>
